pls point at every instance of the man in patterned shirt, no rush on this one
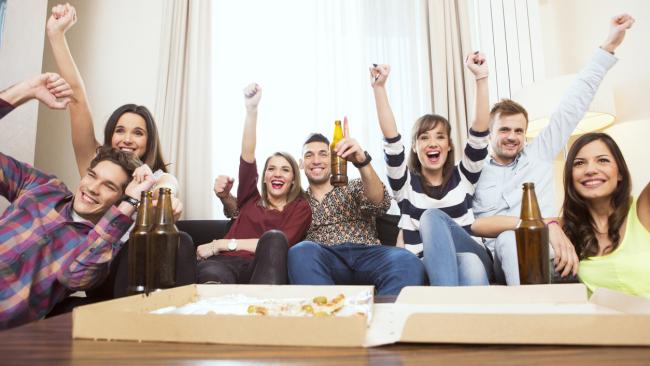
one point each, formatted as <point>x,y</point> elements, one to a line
<point>51,241</point>
<point>342,246</point>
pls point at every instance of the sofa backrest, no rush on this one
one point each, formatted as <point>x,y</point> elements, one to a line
<point>204,231</point>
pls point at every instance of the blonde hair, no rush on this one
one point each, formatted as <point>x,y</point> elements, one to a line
<point>296,187</point>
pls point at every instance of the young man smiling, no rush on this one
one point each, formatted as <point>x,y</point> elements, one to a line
<point>342,246</point>
<point>52,241</point>
<point>514,162</point>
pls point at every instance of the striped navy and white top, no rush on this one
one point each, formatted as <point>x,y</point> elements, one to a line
<point>454,198</point>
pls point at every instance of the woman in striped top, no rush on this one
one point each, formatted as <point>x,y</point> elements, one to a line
<point>435,195</point>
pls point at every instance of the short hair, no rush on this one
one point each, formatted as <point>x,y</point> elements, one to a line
<point>126,160</point>
<point>317,137</point>
<point>507,107</point>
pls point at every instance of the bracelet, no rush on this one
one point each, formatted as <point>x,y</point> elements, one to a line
<point>128,199</point>
<point>553,222</point>
<point>212,246</point>
<point>363,163</point>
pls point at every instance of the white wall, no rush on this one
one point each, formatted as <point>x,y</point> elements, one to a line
<point>21,55</point>
<point>116,46</point>
<point>571,29</point>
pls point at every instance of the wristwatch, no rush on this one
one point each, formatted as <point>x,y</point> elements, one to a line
<point>128,199</point>
<point>363,163</point>
<point>232,245</point>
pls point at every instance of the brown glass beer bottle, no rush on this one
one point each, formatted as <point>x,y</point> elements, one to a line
<point>532,241</point>
<point>137,260</point>
<point>339,165</point>
<point>162,246</point>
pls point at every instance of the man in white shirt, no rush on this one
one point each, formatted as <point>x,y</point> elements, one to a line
<point>512,162</point>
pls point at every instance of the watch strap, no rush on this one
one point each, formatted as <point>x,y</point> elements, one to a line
<point>128,199</point>
<point>365,162</point>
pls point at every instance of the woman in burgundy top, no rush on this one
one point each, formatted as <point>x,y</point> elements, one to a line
<point>255,248</point>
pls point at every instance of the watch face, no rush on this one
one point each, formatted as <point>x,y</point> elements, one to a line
<point>232,245</point>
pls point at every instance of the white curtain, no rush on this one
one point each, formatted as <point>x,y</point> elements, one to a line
<point>183,104</point>
<point>311,58</point>
<point>452,87</point>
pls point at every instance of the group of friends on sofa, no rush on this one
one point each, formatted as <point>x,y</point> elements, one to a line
<point>456,218</point>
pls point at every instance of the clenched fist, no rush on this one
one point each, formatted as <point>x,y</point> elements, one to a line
<point>223,185</point>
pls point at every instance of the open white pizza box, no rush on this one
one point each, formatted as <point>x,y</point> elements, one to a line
<point>541,314</point>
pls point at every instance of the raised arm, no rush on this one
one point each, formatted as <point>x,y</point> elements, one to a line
<point>252,96</point>
<point>618,25</point>
<point>49,88</point>
<point>378,76</point>
<point>577,98</point>
<point>476,63</point>
<point>63,17</point>
<point>350,149</point>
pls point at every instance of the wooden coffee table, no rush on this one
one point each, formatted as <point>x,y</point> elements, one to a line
<point>49,342</point>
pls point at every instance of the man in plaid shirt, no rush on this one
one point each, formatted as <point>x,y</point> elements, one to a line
<point>53,242</point>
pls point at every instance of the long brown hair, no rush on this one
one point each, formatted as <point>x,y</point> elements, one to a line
<point>152,154</point>
<point>423,124</point>
<point>296,187</point>
<point>578,223</point>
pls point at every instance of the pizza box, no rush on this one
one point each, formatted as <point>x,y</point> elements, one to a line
<point>540,314</point>
<point>130,318</point>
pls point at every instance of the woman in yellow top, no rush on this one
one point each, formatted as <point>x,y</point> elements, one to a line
<point>609,229</point>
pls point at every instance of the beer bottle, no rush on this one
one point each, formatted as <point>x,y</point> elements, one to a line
<point>339,165</point>
<point>162,246</point>
<point>137,260</point>
<point>532,241</point>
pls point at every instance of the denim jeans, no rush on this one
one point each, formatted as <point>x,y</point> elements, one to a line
<point>388,268</point>
<point>506,263</point>
<point>451,256</point>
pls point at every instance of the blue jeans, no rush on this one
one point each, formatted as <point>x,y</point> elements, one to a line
<point>451,256</point>
<point>506,262</point>
<point>388,268</point>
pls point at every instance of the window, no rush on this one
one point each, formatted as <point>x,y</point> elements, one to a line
<point>311,58</point>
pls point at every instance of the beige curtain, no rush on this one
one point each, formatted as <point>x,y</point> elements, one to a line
<point>447,26</point>
<point>183,103</point>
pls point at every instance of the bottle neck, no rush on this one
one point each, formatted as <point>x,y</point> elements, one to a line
<point>164,212</point>
<point>529,206</point>
<point>338,134</point>
<point>145,211</point>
